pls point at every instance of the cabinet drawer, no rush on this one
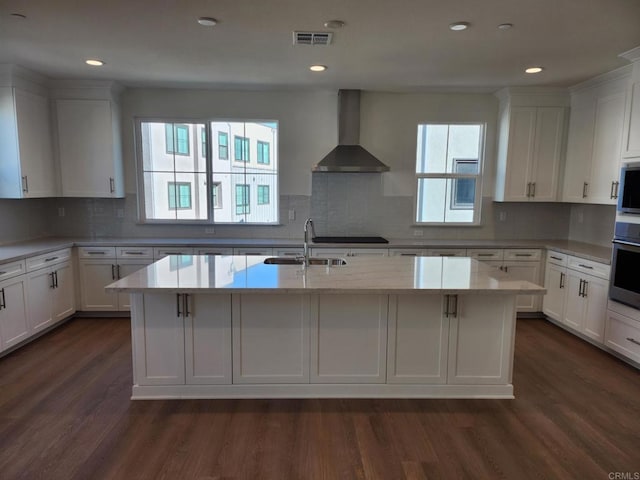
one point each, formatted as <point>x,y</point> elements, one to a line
<point>523,254</point>
<point>161,252</point>
<point>557,258</point>
<point>485,253</point>
<point>13,269</point>
<point>622,334</point>
<point>447,252</point>
<point>134,252</point>
<point>97,252</point>
<point>51,258</point>
<point>253,251</point>
<point>215,251</point>
<point>587,266</point>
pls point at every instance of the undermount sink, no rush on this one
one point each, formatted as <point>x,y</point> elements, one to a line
<point>300,261</point>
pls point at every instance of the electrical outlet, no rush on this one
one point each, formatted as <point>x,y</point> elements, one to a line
<point>292,215</point>
<point>61,211</point>
<point>502,216</point>
<point>418,232</point>
<point>209,230</point>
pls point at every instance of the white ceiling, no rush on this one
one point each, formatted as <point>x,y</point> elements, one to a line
<point>396,45</point>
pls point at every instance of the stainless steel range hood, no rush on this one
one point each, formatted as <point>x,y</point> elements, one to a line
<point>349,156</point>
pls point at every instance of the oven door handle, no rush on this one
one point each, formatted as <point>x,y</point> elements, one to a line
<point>629,244</point>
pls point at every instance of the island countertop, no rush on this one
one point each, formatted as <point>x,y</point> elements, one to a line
<point>379,275</point>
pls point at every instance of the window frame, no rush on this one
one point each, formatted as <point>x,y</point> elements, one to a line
<point>243,141</point>
<point>479,177</point>
<point>261,149</point>
<point>225,146</point>
<point>246,189</point>
<point>216,186</point>
<point>211,217</point>
<point>174,138</point>
<point>259,198</point>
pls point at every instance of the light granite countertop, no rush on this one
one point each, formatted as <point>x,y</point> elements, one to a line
<point>21,250</point>
<point>378,275</point>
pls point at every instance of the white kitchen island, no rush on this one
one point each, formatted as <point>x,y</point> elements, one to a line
<point>234,327</point>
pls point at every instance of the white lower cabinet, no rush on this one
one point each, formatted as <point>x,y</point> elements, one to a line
<point>418,342</point>
<point>622,330</point>
<point>100,266</point>
<point>270,338</point>
<point>181,339</point>
<point>348,338</point>
<point>51,294</point>
<point>577,293</point>
<point>481,340</point>
<point>14,323</point>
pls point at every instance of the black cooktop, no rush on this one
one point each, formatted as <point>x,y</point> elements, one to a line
<point>350,240</point>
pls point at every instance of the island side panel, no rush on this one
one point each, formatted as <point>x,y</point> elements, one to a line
<point>418,339</point>
<point>349,338</point>
<point>481,340</point>
<point>270,338</point>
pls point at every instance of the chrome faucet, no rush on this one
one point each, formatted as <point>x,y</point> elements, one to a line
<point>308,225</point>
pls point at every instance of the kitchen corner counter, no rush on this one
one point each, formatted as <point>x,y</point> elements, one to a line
<point>384,275</point>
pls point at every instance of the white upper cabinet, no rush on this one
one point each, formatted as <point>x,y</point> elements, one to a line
<point>27,168</point>
<point>596,126</point>
<point>530,147</point>
<point>89,146</point>
<point>631,131</point>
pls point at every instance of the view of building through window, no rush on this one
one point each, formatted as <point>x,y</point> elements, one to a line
<point>180,183</point>
<point>448,173</point>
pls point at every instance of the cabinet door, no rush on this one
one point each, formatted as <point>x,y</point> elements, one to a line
<point>481,340</point>
<point>418,339</point>
<point>607,144</point>
<point>40,295</point>
<point>574,310</point>
<point>86,148</point>
<point>577,169</point>
<point>631,146</point>
<point>555,283</point>
<point>35,146</point>
<point>94,276</point>
<point>349,338</point>
<point>14,324</point>
<point>596,295</point>
<point>529,271</point>
<point>547,153</point>
<point>158,339</point>
<point>123,269</point>
<point>522,126</point>
<point>64,295</point>
<point>270,338</point>
<point>208,340</point>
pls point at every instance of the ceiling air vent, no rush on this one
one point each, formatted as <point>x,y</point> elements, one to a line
<point>312,38</point>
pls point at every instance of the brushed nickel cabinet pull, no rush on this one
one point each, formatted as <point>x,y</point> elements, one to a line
<point>561,280</point>
<point>3,304</point>
<point>133,252</point>
<point>50,259</point>
<point>112,185</point>
<point>186,305</point>
<point>25,184</point>
<point>118,272</point>
<point>556,258</point>
<point>585,266</point>
<point>55,278</point>
<point>523,255</point>
<point>454,300</point>
<point>533,185</point>
<point>446,306</point>
<point>178,312</point>
<point>585,188</point>
<point>113,272</point>
<point>615,193</point>
<point>632,340</point>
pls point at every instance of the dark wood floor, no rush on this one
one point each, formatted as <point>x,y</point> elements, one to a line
<point>65,414</point>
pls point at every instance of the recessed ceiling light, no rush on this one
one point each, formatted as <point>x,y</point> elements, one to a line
<point>505,26</point>
<point>207,21</point>
<point>459,26</point>
<point>317,68</point>
<point>94,62</point>
<point>534,69</point>
<point>334,24</point>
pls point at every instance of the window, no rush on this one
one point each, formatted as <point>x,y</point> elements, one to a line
<point>177,139</point>
<point>217,195</point>
<point>241,149</point>
<point>179,195</point>
<point>213,197</point>
<point>223,146</point>
<point>449,173</point>
<point>242,199</point>
<point>263,152</point>
<point>203,142</point>
<point>263,194</point>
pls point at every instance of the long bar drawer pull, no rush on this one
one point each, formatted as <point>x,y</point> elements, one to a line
<point>633,340</point>
<point>96,253</point>
<point>585,266</point>
<point>556,258</point>
<point>133,253</point>
<point>50,259</point>
<point>486,254</point>
<point>524,255</point>
<point>3,304</point>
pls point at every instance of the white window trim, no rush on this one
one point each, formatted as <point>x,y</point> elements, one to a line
<point>477,213</point>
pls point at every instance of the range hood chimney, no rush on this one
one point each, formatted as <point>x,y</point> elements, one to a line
<point>349,156</point>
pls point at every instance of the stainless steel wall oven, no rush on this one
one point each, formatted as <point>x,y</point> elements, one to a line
<point>624,286</point>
